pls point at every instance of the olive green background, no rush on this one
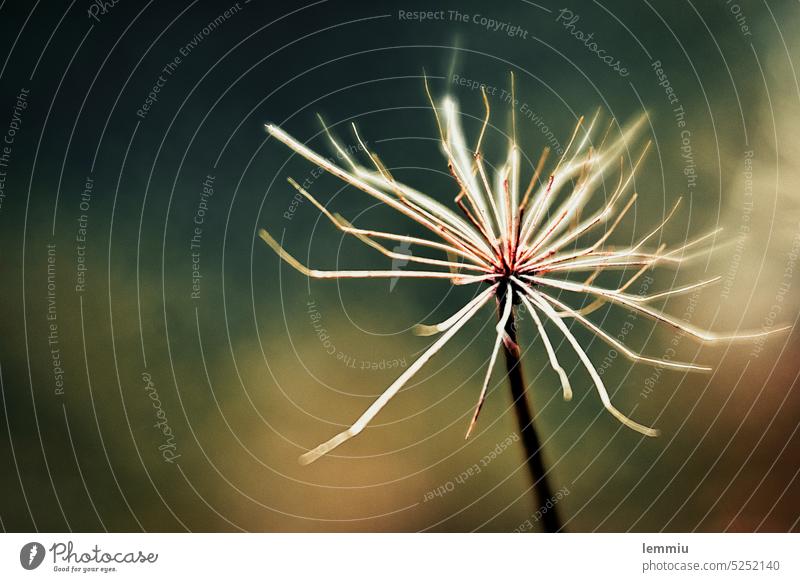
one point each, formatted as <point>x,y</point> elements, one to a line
<point>245,380</point>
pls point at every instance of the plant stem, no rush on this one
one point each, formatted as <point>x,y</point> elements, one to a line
<point>530,440</point>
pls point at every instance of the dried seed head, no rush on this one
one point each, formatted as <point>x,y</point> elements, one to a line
<point>521,244</point>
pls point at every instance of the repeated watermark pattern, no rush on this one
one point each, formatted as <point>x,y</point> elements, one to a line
<point>133,162</point>
<point>171,67</point>
<point>784,287</point>
<point>168,447</point>
<point>53,333</point>
<point>530,523</point>
<point>450,485</point>
<point>346,359</point>
<point>196,240</point>
<point>525,110</point>
<point>7,147</point>
<point>745,227</point>
<point>569,20</point>
<point>315,173</point>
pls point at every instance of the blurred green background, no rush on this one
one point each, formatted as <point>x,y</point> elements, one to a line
<point>265,364</point>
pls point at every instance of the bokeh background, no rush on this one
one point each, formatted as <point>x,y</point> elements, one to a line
<point>108,349</point>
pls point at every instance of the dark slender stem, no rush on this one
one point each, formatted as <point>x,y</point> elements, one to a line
<point>527,430</point>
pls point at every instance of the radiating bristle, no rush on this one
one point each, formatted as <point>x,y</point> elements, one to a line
<point>520,243</point>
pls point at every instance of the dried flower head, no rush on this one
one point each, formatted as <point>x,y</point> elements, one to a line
<point>522,243</point>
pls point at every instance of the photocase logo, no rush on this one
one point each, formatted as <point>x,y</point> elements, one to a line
<point>31,555</point>
<point>404,248</point>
